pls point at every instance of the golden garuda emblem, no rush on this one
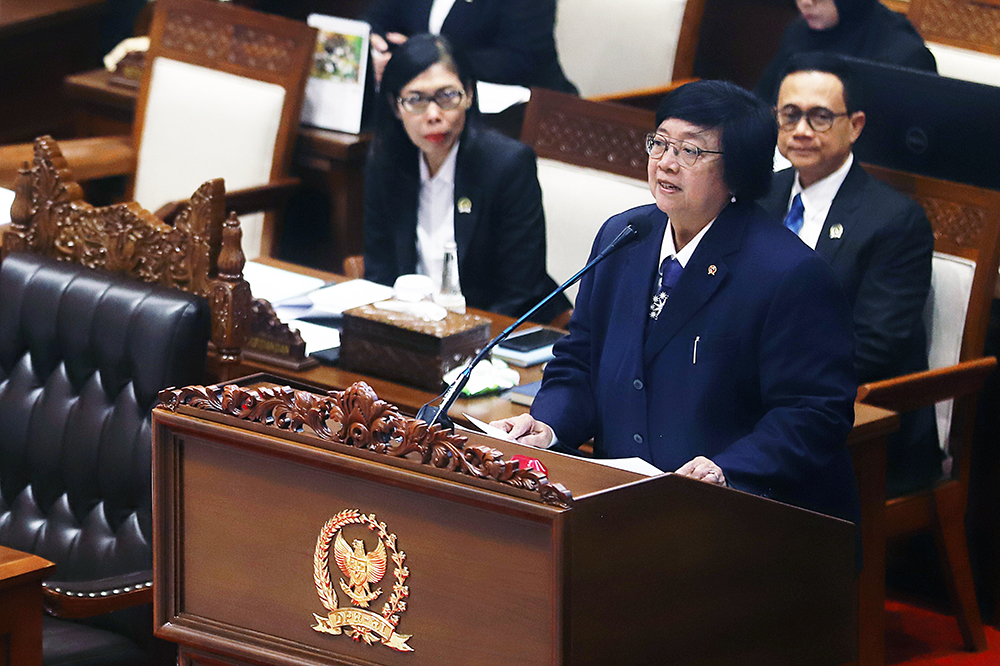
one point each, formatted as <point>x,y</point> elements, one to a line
<point>361,569</point>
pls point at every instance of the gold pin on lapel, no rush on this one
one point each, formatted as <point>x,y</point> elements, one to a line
<point>836,231</point>
<point>465,205</point>
<point>712,269</point>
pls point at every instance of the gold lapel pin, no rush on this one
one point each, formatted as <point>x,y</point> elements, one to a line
<point>712,269</point>
<point>836,231</point>
<point>465,205</point>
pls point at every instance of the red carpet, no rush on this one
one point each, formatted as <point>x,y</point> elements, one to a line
<point>916,636</point>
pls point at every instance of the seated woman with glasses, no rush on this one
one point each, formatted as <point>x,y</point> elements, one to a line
<point>719,345</point>
<point>435,176</point>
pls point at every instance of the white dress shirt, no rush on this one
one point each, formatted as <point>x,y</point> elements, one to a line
<point>684,255</point>
<point>435,215</point>
<point>439,12</point>
<point>816,201</point>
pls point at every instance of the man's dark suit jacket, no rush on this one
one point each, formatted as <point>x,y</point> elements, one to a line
<point>882,257</point>
<point>749,364</point>
<point>505,41</point>
<point>500,237</point>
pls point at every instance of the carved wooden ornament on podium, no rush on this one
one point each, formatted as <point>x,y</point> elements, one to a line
<point>200,253</point>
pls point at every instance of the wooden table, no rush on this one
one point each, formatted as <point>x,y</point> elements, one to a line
<point>407,398</point>
<point>331,162</point>
<point>21,611</point>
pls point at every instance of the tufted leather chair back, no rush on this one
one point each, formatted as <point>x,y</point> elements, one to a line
<point>83,355</point>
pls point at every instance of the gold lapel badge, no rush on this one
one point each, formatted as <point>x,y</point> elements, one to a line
<point>465,205</point>
<point>836,231</point>
<point>712,269</point>
<point>361,570</point>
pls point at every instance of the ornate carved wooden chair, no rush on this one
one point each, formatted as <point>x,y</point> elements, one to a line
<point>966,223</point>
<point>199,254</point>
<point>220,97</point>
<point>591,165</point>
<point>83,354</point>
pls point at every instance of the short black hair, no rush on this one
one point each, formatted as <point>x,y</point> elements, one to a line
<point>828,63</point>
<point>746,123</point>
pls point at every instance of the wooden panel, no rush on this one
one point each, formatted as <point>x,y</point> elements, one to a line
<point>253,536</point>
<point>601,136</point>
<point>970,24</point>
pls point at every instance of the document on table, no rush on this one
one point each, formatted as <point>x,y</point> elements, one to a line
<point>276,284</point>
<point>332,300</point>
<point>634,464</point>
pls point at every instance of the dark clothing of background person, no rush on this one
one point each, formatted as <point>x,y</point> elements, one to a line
<point>882,258</point>
<point>505,41</point>
<point>500,236</point>
<point>867,29</point>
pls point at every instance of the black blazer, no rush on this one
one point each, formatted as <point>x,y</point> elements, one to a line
<point>505,41</point>
<point>500,236</point>
<point>880,249</point>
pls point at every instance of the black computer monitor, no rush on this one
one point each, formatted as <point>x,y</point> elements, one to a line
<point>929,124</point>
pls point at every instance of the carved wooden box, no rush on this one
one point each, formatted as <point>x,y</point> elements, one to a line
<point>407,349</point>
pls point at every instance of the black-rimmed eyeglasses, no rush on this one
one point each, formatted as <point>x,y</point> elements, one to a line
<point>820,119</point>
<point>446,100</point>
<point>687,153</point>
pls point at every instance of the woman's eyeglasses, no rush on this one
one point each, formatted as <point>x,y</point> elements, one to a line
<point>820,119</point>
<point>686,152</point>
<point>446,100</point>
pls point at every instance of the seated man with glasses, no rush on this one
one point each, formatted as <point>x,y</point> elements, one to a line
<point>435,176</point>
<point>878,242</point>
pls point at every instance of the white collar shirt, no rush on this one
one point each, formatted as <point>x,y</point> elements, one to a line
<point>816,201</point>
<point>683,255</point>
<point>439,12</point>
<point>435,215</point>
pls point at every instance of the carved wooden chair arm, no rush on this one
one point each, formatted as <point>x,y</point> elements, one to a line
<point>77,599</point>
<point>920,389</point>
<point>96,157</point>
<point>354,266</point>
<point>270,196</point>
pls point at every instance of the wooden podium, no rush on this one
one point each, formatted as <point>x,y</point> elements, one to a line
<point>275,508</point>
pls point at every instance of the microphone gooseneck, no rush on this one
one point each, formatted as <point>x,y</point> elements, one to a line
<point>635,230</point>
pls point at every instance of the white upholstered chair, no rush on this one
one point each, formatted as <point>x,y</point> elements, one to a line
<point>221,93</point>
<point>608,48</point>
<point>591,165</point>
<point>966,222</point>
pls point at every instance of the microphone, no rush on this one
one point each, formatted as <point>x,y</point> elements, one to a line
<point>636,230</point>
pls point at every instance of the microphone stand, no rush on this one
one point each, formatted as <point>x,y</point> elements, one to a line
<point>431,414</point>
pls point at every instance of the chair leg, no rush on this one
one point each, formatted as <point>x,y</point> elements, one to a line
<point>953,553</point>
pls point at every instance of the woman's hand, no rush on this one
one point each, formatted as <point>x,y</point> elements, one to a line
<point>703,469</point>
<point>524,429</point>
<point>381,52</point>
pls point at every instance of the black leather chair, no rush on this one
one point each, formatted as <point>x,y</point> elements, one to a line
<point>83,355</point>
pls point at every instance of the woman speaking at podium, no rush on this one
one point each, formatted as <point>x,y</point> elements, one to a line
<point>435,176</point>
<point>719,345</point>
